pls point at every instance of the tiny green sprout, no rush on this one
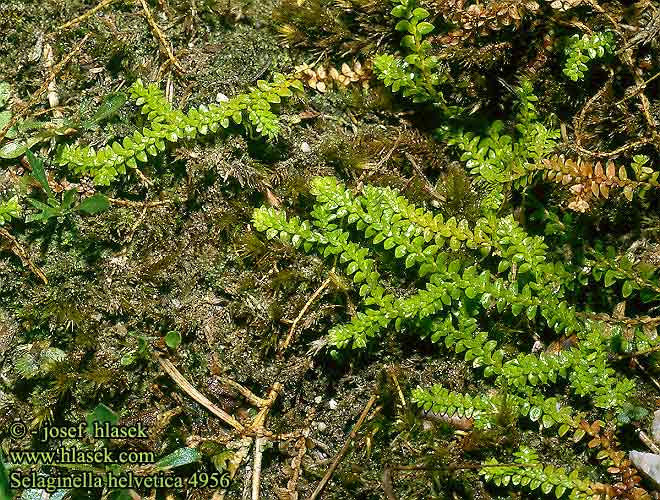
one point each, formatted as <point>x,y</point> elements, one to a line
<point>173,339</point>
<point>9,210</point>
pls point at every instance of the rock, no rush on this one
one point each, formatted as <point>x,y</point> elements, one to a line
<point>655,430</point>
<point>332,404</point>
<point>305,148</point>
<point>648,463</point>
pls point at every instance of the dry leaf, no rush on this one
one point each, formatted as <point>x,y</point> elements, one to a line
<point>628,192</point>
<point>611,170</point>
<point>605,191</point>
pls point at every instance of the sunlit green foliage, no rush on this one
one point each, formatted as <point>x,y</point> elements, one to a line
<point>502,160</point>
<point>526,471</point>
<point>417,75</point>
<point>581,50</point>
<point>417,238</point>
<point>9,210</point>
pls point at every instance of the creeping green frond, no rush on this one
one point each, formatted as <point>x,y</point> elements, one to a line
<point>485,409</point>
<point>251,110</point>
<point>528,472</point>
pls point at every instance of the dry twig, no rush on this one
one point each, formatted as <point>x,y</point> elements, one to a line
<point>161,37</point>
<point>198,396</point>
<point>285,344</point>
<point>20,252</point>
<point>344,450</point>
<point>102,5</point>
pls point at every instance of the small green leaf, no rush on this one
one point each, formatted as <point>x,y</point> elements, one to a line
<point>402,25</point>
<point>111,104</point>
<point>410,261</point>
<point>578,435</point>
<point>548,421</point>
<point>627,288</point>
<point>531,312</point>
<point>94,204</point>
<point>38,171</point>
<point>610,278</point>
<point>535,413</point>
<point>173,339</point>
<point>424,28</point>
<point>13,149</point>
<point>399,11</point>
<point>178,458</point>
<point>101,414</point>
<point>421,13</point>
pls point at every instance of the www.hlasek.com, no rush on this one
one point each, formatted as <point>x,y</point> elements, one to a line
<point>80,456</point>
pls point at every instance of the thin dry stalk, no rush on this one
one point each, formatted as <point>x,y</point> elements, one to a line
<point>344,449</point>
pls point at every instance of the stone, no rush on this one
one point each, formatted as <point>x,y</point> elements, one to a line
<point>648,463</point>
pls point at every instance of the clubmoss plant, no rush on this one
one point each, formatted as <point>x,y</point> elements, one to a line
<point>417,75</point>
<point>450,282</point>
<point>251,110</point>
<point>580,50</point>
<point>456,297</point>
<point>502,161</point>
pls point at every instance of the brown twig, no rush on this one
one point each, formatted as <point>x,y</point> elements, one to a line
<point>102,5</point>
<point>648,375</point>
<point>616,152</point>
<point>644,438</point>
<point>140,204</point>
<point>388,487</point>
<point>344,449</point>
<point>53,97</point>
<point>247,393</point>
<point>638,88</point>
<point>256,469</point>
<point>37,95</point>
<point>258,427</point>
<point>198,396</point>
<point>296,463</point>
<point>579,119</point>
<point>292,330</point>
<point>427,185</point>
<point>18,250</point>
<point>161,37</point>
<point>638,353</point>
